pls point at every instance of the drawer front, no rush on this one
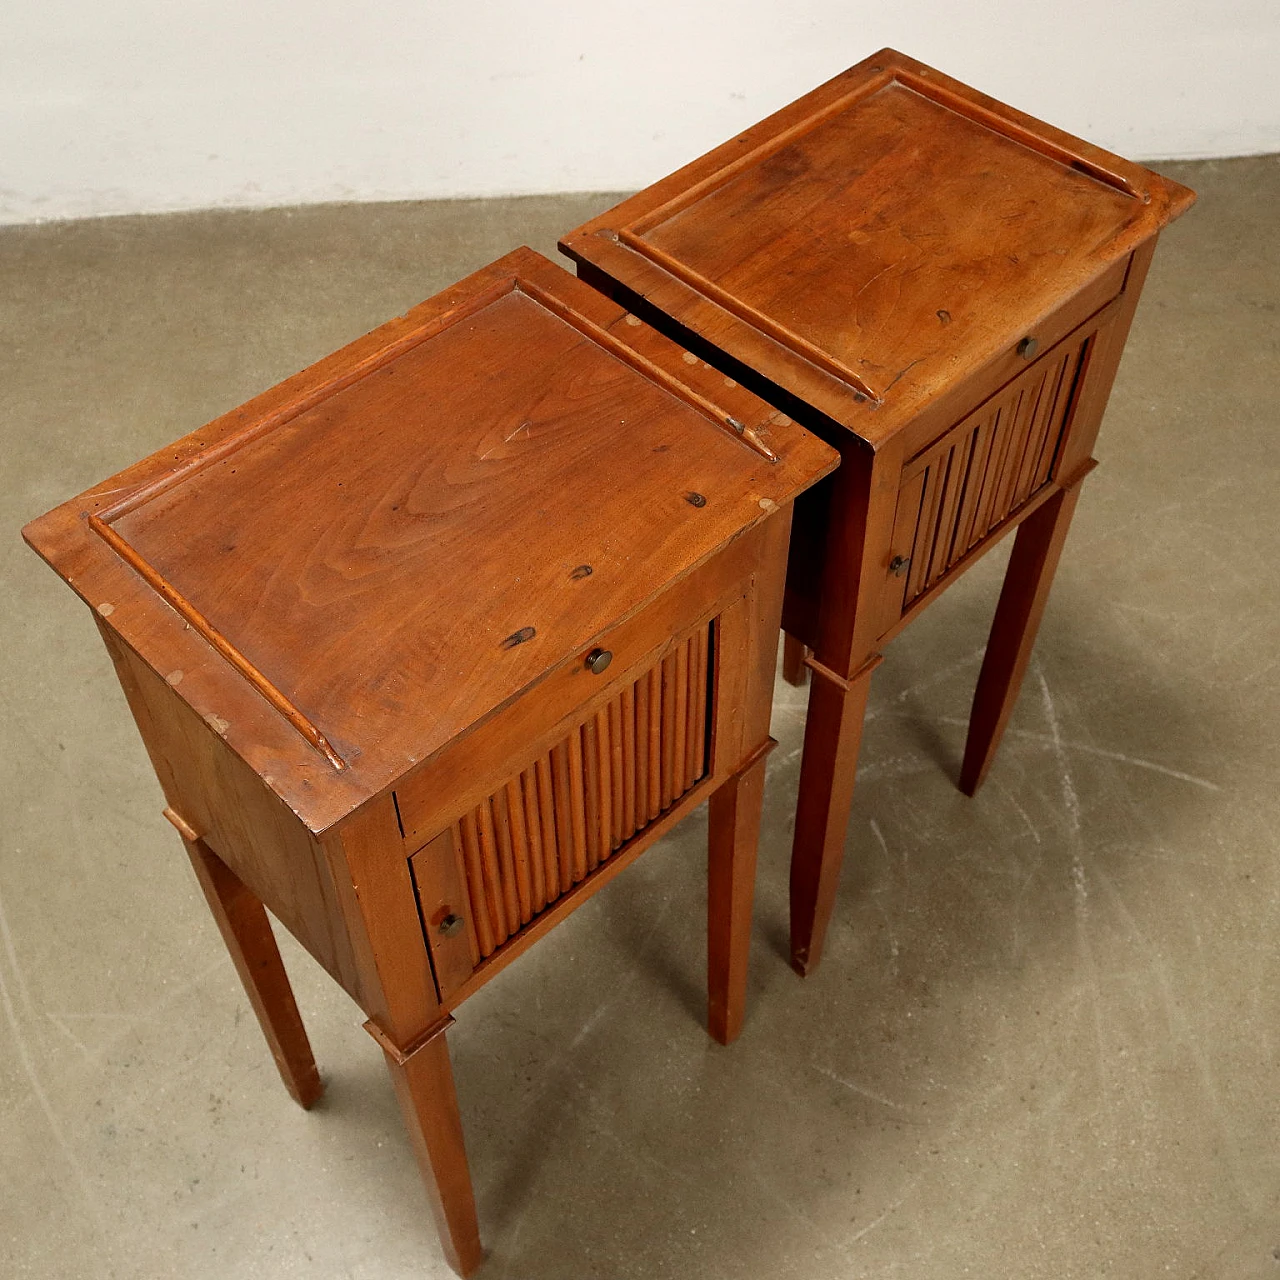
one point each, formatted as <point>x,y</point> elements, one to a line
<point>970,393</point>
<point>558,821</point>
<point>980,473</point>
<point>431,798</point>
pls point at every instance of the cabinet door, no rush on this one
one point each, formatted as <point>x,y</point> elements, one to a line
<point>560,820</point>
<point>966,486</point>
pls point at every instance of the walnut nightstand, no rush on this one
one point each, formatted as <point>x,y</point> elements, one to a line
<point>429,642</point>
<point>941,287</point>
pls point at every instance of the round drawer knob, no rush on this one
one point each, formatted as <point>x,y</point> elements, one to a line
<point>598,660</point>
<point>451,925</point>
<point>899,565</point>
<point>1027,348</point>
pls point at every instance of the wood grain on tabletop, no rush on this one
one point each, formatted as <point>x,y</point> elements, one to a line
<point>402,538</point>
<point>878,239</point>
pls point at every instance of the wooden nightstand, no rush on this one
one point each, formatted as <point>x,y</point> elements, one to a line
<point>429,642</point>
<point>941,287</point>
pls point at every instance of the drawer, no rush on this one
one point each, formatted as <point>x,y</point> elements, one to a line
<point>442,788</point>
<point>558,821</point>
<point>1079,309</point>
<point>963,488</point>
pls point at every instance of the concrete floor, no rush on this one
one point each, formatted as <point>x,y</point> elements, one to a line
<point>1043,1041</point>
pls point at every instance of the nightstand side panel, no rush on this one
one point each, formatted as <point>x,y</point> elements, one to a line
<point>225,802</point>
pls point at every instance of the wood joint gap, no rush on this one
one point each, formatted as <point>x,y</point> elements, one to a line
<point>842,683</point>
<point>401,1056</point>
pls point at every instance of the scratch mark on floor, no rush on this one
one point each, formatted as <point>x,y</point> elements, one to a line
<point>66,1031</point>
<point>935,677</point>
<point>1069,794</point>
<point>797,1212</point>
<point>644,1160</point>
<point>1088,963</point>
<point>587,1027</point>
<point>29,1068</point>
<point>1181,1029</point>
<point>1036,865</point>
<point>870,1094</point>
<point>60,1021</point>
<point>884,846</point>
<point>513,1248</point>
<point>97,1017</point>
<point>894,948</point>
<point>876,1221</point>
<point>1032,829</point>
<point>1088,749</point>
<point>896,767</point>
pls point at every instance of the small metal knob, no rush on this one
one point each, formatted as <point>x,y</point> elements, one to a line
<point>1027,348</point>
<point>451,925</point>
<point>899,565</point>
<point>598,660</point>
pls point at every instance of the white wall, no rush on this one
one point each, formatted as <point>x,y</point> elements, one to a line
<point>114,106</point>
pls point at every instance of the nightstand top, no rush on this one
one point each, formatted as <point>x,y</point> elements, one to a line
<point>365,562</point>
<point>878,239</point>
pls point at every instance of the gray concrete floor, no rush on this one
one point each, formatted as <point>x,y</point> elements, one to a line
<point>1043,1041</point>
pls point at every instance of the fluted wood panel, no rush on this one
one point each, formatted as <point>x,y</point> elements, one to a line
<point>572,809</point>
<point>987,466</point>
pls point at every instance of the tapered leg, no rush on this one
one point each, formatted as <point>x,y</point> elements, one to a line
<point>247,933</point>
<point>733,837</point>
<point>832,736</point>
<point>1027,581</point>
<point>423,1082</point>
<point>793,655</point>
